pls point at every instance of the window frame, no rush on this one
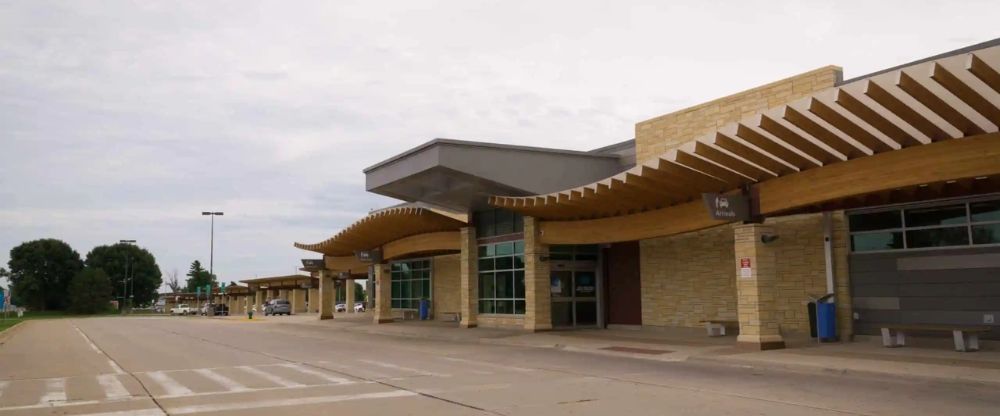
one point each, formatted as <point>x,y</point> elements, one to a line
<point>392,282</point>
<point>968,224</point>
<point>513,270</point>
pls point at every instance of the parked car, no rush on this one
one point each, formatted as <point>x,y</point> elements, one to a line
<point>205,307</point>
<point>182,309</point>
<point>340,307</point>
<point>220,309</point>
<point>359,307</point>
<point>278,307</point>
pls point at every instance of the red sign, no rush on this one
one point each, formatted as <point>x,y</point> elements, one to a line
<point>745,263</point>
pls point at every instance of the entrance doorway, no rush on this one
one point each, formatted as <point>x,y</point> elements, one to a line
<point>574,286</point>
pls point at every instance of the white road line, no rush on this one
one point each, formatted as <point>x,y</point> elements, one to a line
<point>73,403</point>
<point>223,393</point>
<point>285,402</point>
<point>172,387</point>
<point>55,391</point>
<point>143,412</point>
<point>407,369</point>
<point>303,369</point>
<point>111,363</point>
<point>113,387</point>
<point>490,365</point>
<point>3,387</point>
<point>228,383</point>
<point>270,377</point>
<point>370,373</point>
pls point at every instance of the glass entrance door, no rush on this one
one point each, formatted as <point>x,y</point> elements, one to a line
<point>574,298</point>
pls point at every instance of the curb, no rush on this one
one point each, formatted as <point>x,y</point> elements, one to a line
<point>9,332</point>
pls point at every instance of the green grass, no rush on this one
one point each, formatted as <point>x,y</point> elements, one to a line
<point>9,322</point>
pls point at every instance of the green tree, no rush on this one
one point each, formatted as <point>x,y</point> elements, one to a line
<point>40,272</point>
<point>198,277</point>
<point>121,261</point>
<point>359,292</point>
<point>90,291</point>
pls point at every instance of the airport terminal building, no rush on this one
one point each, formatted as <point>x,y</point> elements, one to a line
<point>882,190</point>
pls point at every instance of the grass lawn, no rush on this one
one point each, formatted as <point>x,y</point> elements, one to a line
<point>9,322</point>
<point>12,318</point>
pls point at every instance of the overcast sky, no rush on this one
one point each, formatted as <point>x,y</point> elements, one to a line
<point>125,120</point>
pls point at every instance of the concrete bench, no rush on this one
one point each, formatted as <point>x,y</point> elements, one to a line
<point>966,337</point>
<point>717,327</point>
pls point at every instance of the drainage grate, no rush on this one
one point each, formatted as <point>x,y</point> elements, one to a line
<point>636,350</point>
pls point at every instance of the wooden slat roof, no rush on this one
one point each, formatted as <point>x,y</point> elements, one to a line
<point>383,226</point>
<point>943,99</point>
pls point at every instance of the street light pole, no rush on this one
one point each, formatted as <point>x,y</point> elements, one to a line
<point>129,277</point>
<point>211,252</point>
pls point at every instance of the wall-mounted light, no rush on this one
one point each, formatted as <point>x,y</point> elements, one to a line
<point>543,258</point>
<point>768,238</point>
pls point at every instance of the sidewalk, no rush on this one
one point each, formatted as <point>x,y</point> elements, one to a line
<point>931,359</point>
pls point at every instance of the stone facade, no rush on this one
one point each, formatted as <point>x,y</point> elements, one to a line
<point>468,278</point>
<point>502,321</point>
<point>537,280</point>
<point>383,294</point>
<point>446,283</point>
<point>658,135</point>
<point>690,277</point>
<point>756,291</point>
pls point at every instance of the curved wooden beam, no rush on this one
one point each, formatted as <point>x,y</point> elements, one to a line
<point>443,241</point>
<point>345,264</point>
<point>941,161</point>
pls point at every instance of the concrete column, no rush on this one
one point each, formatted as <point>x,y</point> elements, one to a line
<point>469,277</point>
<point>298,300</point>
<point>756,303</point>
<point>313,300</point>
<point>258,300</point>
<point>537,279</point>
<point>349,295</point>
<point>383,294</point>
<point>841,276</point>
<point>324,302</point>
<point>283,294</point>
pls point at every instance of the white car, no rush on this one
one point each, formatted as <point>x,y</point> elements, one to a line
<point>182,309</point>
<point>340,307</point>
<point>359,307</point>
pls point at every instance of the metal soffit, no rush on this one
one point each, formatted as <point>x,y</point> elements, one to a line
<point>383,226</point>
<point>944,99</point>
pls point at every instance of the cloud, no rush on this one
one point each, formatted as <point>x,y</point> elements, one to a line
<point>126,120</point>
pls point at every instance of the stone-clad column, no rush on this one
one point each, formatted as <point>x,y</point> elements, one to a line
<point>349,295</point>
<point>298,300</point>
<point>383,294</point>
<point>469,278</point>
<point>537,280</point>
<point>259,300</point>
<point>325,299</point>
<point>313,300</point>
<point>756,303</point>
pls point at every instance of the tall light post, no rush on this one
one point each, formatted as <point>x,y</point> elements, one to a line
<point>211,253</point>
<point>129,277</point>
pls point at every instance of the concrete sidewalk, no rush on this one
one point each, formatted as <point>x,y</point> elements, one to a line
<point>923,358</point>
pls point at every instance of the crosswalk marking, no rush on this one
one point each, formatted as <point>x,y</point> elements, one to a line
<point>113,387</point>
<point>172,387</point>
<point>3,387</point>
<point>407,369</point>
<point>270,377</point>
<point>368,373</point>
<point>303,369</point>
<point>228,383</point>
<point>55,391</point>
<point>489,365</point>
<point>286,402</point>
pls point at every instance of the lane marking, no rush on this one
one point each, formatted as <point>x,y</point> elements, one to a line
<point>489,365</point>
<point>303,369</point>
<point>55,391</point>
<point>171,386</point>
<point>153,411</point>
<point>113,387</point>
<point>86,338</point>
<point>373,374</point>
<point>72,403</point>
<point>3,387</point>
<point>270,377</point>
<point>260,389</point>
<point>111,363</point>
<point>408,369</point>
<point>286,402</point>
<point>228,383</point>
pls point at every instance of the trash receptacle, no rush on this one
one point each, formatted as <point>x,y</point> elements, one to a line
<point>826,319</point>
<point>425,309</point>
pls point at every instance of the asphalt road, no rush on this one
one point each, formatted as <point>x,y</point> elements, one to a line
<point>180,366</point>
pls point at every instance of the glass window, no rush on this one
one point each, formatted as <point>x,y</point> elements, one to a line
<point>985,211</point>
<point>986,234</point>
<point>494,222</point>
<point>876,221</point>
<point>411,282</point>
<point>937,237</point>
<point>877,241</point>
<point>501,278</point>
<point>946,215</point>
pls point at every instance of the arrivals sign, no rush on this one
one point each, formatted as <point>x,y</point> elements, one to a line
<point>369,256</point>
<point>727,207</point>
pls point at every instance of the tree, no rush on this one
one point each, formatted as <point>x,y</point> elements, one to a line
<point>122,261</point>
<point>198,277</point>
<point>359,292</point>
<point>40,272</point>
<point>90,291</point>
<point>173,283</point>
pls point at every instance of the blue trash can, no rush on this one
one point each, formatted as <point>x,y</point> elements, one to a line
<point>425,309</point>
<point>826,317</point>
